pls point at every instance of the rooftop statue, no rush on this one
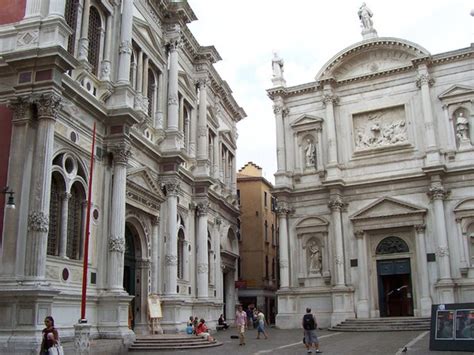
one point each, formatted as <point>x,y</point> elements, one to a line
<point>365,16</point>
<point>277,67</point>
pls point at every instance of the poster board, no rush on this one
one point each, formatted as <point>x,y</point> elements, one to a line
<point>154,306</point>
<point>452,327</point>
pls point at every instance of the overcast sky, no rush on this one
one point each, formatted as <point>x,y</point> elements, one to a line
<point>306,34</point>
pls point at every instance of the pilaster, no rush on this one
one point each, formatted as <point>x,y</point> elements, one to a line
<point>423,277</point>
<point>202,265</point>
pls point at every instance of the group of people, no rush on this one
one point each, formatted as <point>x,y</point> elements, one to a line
<point>251,316</point>
<point>198,327</point>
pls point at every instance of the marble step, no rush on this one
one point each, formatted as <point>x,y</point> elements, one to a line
<point>384,324</point>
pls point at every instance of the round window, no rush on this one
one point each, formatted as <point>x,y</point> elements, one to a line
<point>65,274</point>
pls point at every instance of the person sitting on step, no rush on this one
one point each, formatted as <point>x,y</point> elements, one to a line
<point>204,331</point>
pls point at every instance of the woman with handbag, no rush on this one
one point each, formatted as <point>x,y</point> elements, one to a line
<point>50,344</point>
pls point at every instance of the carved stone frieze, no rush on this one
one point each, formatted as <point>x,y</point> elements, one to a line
<point>38,222</point>
<point>172,99</point>
<point>48,105</point>
<point>202,268</point>
<point>380,128</point>
<point>116,244</point>
<point>125,47</point>
<point>171,260</point>
<point>339,260</point>
<point>442,251</point>
<point>27,38</point>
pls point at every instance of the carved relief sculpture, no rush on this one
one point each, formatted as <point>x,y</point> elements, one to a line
<point>310,154</point>
<point>462,127</point>
<point>380,128</point>
<point>314,257</point>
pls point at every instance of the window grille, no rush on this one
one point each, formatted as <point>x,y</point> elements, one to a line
<point>54,218</point>
<point>180,254</point>
<point>150,92</point>
<point>70,15</point>
<point>74,224</point>
<point>94,36</point>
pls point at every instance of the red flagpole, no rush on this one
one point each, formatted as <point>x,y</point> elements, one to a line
<point>86,237</point>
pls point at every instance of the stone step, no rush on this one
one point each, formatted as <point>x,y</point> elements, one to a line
<point>171,342</point>
<point>165,341</point>
<point>177,346</point>
<point>383,324</point>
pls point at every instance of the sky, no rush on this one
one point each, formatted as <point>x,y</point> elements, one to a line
<point>306,34</point>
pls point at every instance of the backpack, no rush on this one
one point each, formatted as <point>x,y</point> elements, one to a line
<point>308,322</point>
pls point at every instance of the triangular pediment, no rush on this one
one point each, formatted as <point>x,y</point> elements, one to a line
<point>456,90</point>
<point>144,30</point>
<point>312,221</point>
<point>143,179</point>
<point>306,120</point>
<point>373,57</point>
<point>387,207</point>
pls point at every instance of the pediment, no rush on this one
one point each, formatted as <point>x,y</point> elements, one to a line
<point>372,57</point>
<point>306,120</point>
<point>387,207</point>
<point>456,90</point>
<point>312,222</point>
<point>146,33</point>
<point>142,178</point>
<point>185,79</point>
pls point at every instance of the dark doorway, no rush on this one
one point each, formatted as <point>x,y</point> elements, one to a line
<point>395,290</point>
<point>129,273</point>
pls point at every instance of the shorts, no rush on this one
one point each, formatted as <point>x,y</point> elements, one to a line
<point>310,337</point>
<point>241,329</point>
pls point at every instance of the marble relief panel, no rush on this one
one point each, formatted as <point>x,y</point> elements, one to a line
<point>380,128</point>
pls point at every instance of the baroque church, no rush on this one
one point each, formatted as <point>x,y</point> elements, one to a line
<point>164,208</point>
<point>375,182</point>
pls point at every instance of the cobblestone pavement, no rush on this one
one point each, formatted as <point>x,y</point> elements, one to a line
<point>290,342</point>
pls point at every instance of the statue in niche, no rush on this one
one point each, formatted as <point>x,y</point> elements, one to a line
<point>365,16</point>
<point>277,66</point>
<point>462,127</point>
<point>310,154</point>
<point>315,258</point>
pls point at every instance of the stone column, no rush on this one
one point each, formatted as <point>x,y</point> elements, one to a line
<point>329,100</point>
<point>319,149</point>
<point>193,133</point>
<point>424,81</point>
<point>423,276</point>
<point>105,66</point>
<point>121,154</point>
<point>280,111</point>
<point>64,221</point>
<point>173,108</point>
<point>33,8</point>
<point>282,212</point>
<point>84,40</point>
<point>48,106</point>
<point>155,252</point>
<point>56,8</point>
<point>230,295</point>
<point>202,258</point>
<point>336,205</point>
<point>202,120</point>
<point>138,88</point>
<point>216,157</point>
<point>233,176</point>
<point>125,50</point>
<point>363,283</point>
<point>159,102</point>
<point>172,188</point>
<point>146,66</point>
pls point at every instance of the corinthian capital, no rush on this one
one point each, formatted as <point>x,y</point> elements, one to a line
<point>330,99</point>
<point>424,79</point>
<point>171,186</point>
<point>438,193</point>
<point>282,209</point>
<point>38,222</point>
<point>122,153</point>
<point>336,204</point>
<point>202,82</point>
<point>202,208</point>
<point>48,105</point>
<point>20,108</point>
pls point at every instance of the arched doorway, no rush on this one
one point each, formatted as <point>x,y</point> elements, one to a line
<point>394,278</point>
<point>129,272</point>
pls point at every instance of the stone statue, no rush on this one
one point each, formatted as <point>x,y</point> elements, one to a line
<point>310,154</point>
<point>462,127</point>
<point>365,17</point>
<point>277,66</point>
<point>315,258</point>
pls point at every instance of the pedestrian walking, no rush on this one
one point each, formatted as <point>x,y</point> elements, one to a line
<point>309,325</point>
<point>241,323</point>
<point>50,343</point>
<point>261,324</point>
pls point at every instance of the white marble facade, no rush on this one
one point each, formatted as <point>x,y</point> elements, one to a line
<point>375,182</point>
<point>164,207</point>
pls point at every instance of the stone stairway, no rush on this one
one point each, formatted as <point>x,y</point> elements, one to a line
<point>171,342</point>
<point>387,324</point>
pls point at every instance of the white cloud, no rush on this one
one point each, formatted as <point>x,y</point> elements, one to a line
<point>306,34</point>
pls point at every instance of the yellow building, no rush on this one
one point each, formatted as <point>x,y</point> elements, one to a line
<point>258,241</point>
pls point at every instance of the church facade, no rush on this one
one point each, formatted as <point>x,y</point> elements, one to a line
<point>375,182</point>
<point>163,206</point>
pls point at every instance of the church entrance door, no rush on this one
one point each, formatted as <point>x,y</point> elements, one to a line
<point>395,289</point>
<point>129,273</point>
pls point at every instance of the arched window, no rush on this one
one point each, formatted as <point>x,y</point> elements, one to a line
<point>74,222</point>
<point>392,245</point>
<point>151,93</point>
<point>54,229</point>
<point>180,254</point>
<point>94,36</point>
<point>70,15</point>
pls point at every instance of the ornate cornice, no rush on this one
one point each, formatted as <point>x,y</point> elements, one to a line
<point>38,222</point>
